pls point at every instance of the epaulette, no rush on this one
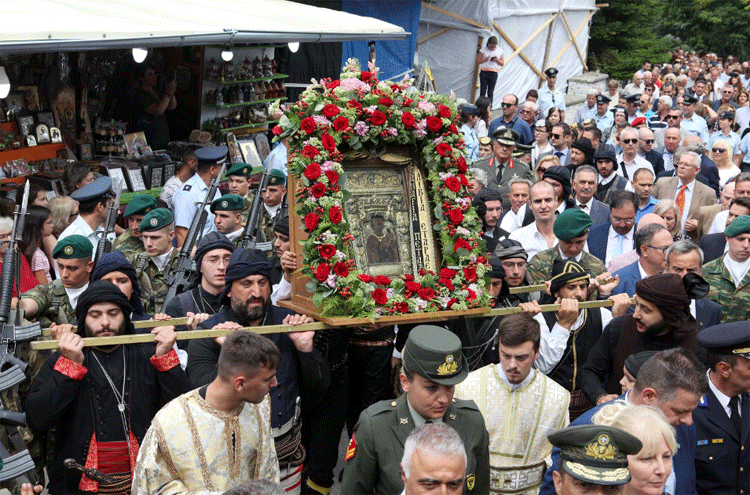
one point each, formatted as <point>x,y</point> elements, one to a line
<point>466,404</point>
<point>703,402</point>
<point>381,407</point>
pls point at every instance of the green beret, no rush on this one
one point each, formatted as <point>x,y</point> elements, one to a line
<point>277,178</point>
<point>244,170</point>
<point>571,223</point>
<point>140,205</point>
<point>740,225</point>
<point>73,247</point>
<point>156,219</point>
<point>228,202</point>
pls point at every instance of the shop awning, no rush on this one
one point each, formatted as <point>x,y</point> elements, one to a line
<point>70,25</point>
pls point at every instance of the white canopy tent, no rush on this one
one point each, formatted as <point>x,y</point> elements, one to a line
<point>533,34</point>
<point>69,25</point>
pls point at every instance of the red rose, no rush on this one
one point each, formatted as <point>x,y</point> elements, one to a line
<point>413,286</point>
<point>456,216</point>
<point>408,119</point>
<point>446,282</point>
<point>444,149</point>
<point>341,269</point>
<point>408,102</point>
<point>382,280</point>
<point>481,259</point>
<point>333,177</point>
<point>385,101</point>
<point>327,251</point>
<point>340,124</point>
<point>312,171</point>
<point>453,184</point>
<point>401,307</point>
<point>321,273</point>
<point>447,273</point>
<point>318,190</point>
<point>426,293</point>
<point>311,221</point>
<point>453,128</point>
<point>394,87</point>
<point>444,111</point>
<point>335,214</point>
<point>409,277</point>
<point>333,84</point>
<point>434,124</point>
<point>330,111</point>
<point>365,76</point>
<point>461,164</point>
<point>308,125</point>
<point>365,278</point>
<point>470,273</point>
<point>463,179</point>
<point>379,296</point>
<point>472,295</point>
<point>328,143</point>
<point>277,130</point>
<point>354,104</point>
<point>452,301</point>
<point>461,243</point>
<point>310,151</point>
<point>378,118</point>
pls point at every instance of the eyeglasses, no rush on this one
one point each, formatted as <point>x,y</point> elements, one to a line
<point>540,129</point>
<point>629,141</point>
<point>718,150</point>
<point>556,136</point>
<point>662,249</point>
<point>507,105</point>
<point>524,111</point>
<point>669,117</point>
<point>73,215</point>
<point>649,141</point>
<point>623,220</point>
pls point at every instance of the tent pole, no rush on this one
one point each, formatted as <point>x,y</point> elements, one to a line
<point>530,38</point>
<point>513,45</point>
<point>542,78</point>
<point>455,16</point>
<point>433,35</point>
<point>476,73</point>
<point>575,43</point>
<point>570,42</point>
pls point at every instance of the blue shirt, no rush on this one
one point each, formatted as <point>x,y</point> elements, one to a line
<point>471,142</point>
<point>649,208</point>
<point>525,136</point>
<point>276,159</point>
<point>603,122</point>
<point>185,204</point>
<point>548,99</point>
<point>696,125</point>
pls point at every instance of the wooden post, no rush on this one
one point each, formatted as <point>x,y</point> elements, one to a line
<point>474,81</point>
<point>531,38</point>
<point>573,39</point>
<point>513,45</point>
<point>433,35</point>
<point>570,42</point>
<point>542,77</point>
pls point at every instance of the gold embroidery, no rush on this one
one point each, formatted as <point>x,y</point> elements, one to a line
<point>601,449</point>
<point>449,367</point>
<point>470,482</point>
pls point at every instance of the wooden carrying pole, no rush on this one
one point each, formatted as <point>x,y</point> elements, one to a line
<point>203,334</point>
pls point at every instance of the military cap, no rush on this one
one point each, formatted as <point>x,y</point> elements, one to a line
<point>435,353</point>
<point>571,223</point>
<point>276,178</point>
<point>244,170</point>
<point>565,272</point>
<point>634,98</point>
<point>727,338</point>
<point>140,205</point>
<point>469,109</point>
<point>602,99</point>
<point>588,123</point>
<point>505,135</point>
<point>618,108</point>
<point>524,148</point>
<point>211,154</point>
<point>281,224</point>
<point>638,121</point>
<point>73,247</point>
<point>595,454</point>
<point>228,202</point>
<point>689,99</point>
<point>508,248</point>
<point>740,225</point>
<point>727,115</point>
<point>100,188</point>
<point>156,219</point>
<point>551,72</point>
<point>485,140</point>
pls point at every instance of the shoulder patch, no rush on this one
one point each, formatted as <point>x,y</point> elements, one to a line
<point>187,187</point>
<point>351,449</point>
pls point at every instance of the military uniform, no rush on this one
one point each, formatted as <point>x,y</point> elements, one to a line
<point>54,304</point>
<point>128,245</point>
<point>540,266</point>
<point>499,174</point>
<point>735,301</point>
<point>151,279</point>
<point>247,204</point>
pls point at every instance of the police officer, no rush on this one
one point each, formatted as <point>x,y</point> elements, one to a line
<point>239,183</point>
<point>550,97</point>
<point>157,230</point>
<point>602,116</point>
<point>432,365</point>
<point>228,211</point>
<point>594,457</point>
<point>722,418</point>
<point>185,201</point>
<point>130,242</point>
<point>93,203</point>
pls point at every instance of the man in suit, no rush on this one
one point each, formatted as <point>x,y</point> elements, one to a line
<point>559,141</point>
<point>707,214</point>
<point>685,257</point>
<point>714,245</point>
<point>650,243</point>
<point>708,174</point>
<point>609,182</point>
<point>610,240</point>
<point>688,193</point>
<point>722,418</point>
<point>645,149</point>
<point>584,186</point>
<point>673,381</point>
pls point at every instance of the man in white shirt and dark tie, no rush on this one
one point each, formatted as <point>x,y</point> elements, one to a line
<point>584,185</point>
<point>560,132</point>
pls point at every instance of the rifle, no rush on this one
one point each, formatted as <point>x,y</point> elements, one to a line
<point>252,228</point>
<point>105,245</point>
<point>181,271</point>
<point>12,370</point>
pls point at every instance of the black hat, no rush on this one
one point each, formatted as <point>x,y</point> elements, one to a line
<point>101,291</point>
<point>496,268</point>
<point>116,262</point>
<point>689,99</point>
<point>469,109</point>
<point>606,151</point>
<point>727,338</point>
<point>602,99</point>
<point>564,272</point>
<point>583,144</point>
<point>281,224</point>
<point>243,263</point>
<point>508,248</point>
<point>635,98</point>
<point>560,174</point>
<point>551,72</point>
<point>214,240</point>
<point>488,194</point>
<point>634,362</point>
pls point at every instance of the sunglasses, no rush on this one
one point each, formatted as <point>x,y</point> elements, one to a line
<point>718,150</point>
<point>556,136</point>
<point>629,141</point>
<point>649,141</point>
<point>506,105</point>
<point>524,111</point>
<point>673,116</point>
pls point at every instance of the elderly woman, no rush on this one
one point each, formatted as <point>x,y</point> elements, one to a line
<point>721,154</point>
<point>651,467</point>
<point>668,210</point>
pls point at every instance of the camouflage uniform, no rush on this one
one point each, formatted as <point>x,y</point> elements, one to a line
<point>266,227</point>
<point>54,305</point>
<point>247,203</point>
<point>151,280</point>
<point>128,245</point>
<point>539,268</point>
<point>734,301</point>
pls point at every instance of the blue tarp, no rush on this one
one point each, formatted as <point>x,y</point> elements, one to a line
<point>393,57</point>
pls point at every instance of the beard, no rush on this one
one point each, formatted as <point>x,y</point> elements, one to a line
<point>655,329</point>
<point>256,312</point>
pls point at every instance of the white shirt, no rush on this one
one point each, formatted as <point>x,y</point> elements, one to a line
<point>720,222</point>
<point>282,290</point>
<point>73,295</point>
<point>576,258</point>
<point>742,116</point>
<point>721,396</point>
<point>585,207</point>
<point>161,260</point>
<point>172,185</point>
<point>232,236</point>
<point>513,386</point>
<point>490,65</point>
<point>736,269</point>
<point>637,163</point>
<point>606,180</point>
<point>512,221</point>
<point>613,241</point>
<point>272,210</point>
<point>531,239</point>
<point>688,200</point>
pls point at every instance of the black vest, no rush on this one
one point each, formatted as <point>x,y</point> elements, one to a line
<point>577,352</point>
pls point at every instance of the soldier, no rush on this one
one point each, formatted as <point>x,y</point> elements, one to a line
<point>228,211</point>
<point>273,195</point>
<point>239,184</point>
<point>432,365</point>
<point>728,274</point>
<point>157,229</point>
<point>129,242</point>
<point>55,303</point>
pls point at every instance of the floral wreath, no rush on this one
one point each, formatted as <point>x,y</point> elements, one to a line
<point>358,112</point>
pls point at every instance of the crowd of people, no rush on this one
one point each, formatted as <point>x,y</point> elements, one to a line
<point>641,205</point>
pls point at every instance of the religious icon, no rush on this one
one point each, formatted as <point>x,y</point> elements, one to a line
<point>54,134</point>
<point>42,134</point>
<point>381,245</point>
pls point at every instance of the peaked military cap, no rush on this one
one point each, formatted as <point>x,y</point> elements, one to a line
<point>505,135</point>
<point>602,99</point>
<point>595,454</point>
<point>156,219</point>
<point>740,225</point>
<point>98,189</point>
<point>228,202</point>
<point>277,178</point>
<point>435,353</point>
<point>727,115</point>
<point>485,140</point>
<point>73,247</point>
<point>469,109</point>
<point>140,205</point>
<point>571,223</point>
<point>244,170</point>
<point>211,154</point>
<point>634,98</point>
<point>727,338</point>
<point>551,72</point>
<point>524,148</point>
<point>565,272</point>
<point>689,99</point>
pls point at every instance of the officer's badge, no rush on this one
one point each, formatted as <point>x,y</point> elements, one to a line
<point>187,187</point>
<point>224,204</point>
<point>154,222</point>
<point>244,170</point>
<point>351,449</point>
<point>470,482</point>
<point>68,250</point>
<point>449,367</point>
<point>601,448</point>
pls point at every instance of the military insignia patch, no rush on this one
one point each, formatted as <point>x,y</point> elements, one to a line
<point>244,170</point>
<point>470,482</point>
<point>154,222</point>
<point>351,449</point>
<point>449,367</point>
<point>68,250</point>
<point>187,187</point>
<point>601,449</point>
<point>224,204</point>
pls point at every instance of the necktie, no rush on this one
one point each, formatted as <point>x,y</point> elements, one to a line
<point>668,161</point>
<point>680,200</point>
<point>734,404</point>
<point>618,248</point>
<point>558,154</point>
<point>582,206</point>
